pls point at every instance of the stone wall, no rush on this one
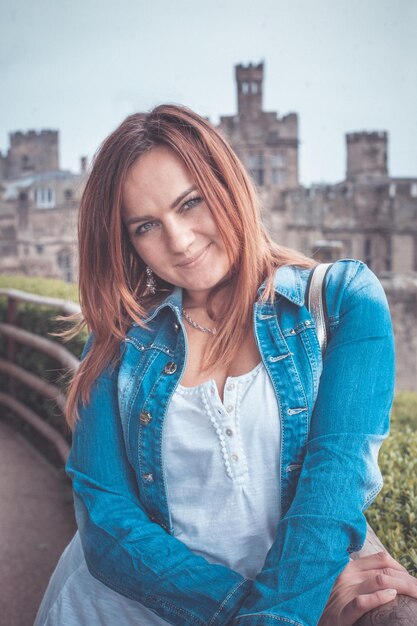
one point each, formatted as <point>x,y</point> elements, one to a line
<point>402,297</point>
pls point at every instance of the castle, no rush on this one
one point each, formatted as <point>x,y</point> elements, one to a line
<point>38,208</point>
<point>369,215</point>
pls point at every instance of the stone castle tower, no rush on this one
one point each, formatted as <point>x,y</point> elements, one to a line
<point>367,156</point>
<point>266,143</point>
<point>249,80</point>
<point>30,153</point>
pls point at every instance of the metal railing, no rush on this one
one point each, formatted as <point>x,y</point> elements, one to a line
<point>15,335</point>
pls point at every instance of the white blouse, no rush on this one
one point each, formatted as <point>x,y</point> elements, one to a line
<point>222,476</point>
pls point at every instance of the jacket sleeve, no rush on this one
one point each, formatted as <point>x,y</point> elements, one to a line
<point>340,475</point>
<point>123,548</point>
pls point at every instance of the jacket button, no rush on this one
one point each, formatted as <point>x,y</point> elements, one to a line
<point>145,417</point>
<point>170,368</point>
<point>176,326</point>
<point>148,478</point>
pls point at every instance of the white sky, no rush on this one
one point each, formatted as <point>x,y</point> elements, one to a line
<point>81,66</point>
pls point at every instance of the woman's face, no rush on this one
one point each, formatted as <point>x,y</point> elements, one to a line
<point>170,226</point>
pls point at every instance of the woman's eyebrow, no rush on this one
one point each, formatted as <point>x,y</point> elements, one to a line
<point>144,218</point>
<point>183,195</point>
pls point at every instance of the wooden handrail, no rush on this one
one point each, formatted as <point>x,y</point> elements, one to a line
<point>52,348</point>
<point>35,382</point>
<point>66,306</point>
<point>52,435</point>
<point>14,335</point>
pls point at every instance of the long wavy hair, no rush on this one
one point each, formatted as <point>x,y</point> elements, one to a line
<point>112,279</point>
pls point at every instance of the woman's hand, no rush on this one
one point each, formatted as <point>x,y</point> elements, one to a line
<point>365,584</point>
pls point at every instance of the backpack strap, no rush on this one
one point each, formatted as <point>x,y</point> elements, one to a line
<point>315,298</point>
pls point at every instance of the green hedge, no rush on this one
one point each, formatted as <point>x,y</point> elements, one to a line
<point>41,286</point>
<point>392,515</point>
<point>394,512</point>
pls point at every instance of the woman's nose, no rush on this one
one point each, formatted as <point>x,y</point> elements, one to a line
<point>179,237</point>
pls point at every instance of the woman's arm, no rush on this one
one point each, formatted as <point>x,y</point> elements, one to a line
<point>122,547</point>
<point>340,475</point>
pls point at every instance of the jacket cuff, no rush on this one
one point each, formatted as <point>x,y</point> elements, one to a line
<point>231,604</point>
<point>266,619</point>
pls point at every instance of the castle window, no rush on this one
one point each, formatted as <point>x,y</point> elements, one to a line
<point>8,232</point>
<point>255,88</point>
<point>7,249</point>
<point>413,190</point>
<point>245,87</point>
<point>39,248</point>
<point>64,259</point>
<point>327,251</point>
<point>255,164</point>
<point>388,255</point>
<point>368,252</point>
<point>278,177</point>
<point>277,160</point>
<point>68,194</point>
<point>277,163</point>
<point>415,253</point>
<point>392,190</point>
<point>45,198</point>
<point>26,163</point>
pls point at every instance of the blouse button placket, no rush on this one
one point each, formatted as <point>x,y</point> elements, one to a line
<point>215,411</point>
<point>232,430</point>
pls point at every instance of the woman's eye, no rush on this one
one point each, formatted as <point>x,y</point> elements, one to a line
<point>192,202</point>
<point>147,227</point>
<point>144,228</point>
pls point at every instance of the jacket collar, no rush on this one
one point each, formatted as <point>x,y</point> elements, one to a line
<point>287,283</point>
<point>173,300</point>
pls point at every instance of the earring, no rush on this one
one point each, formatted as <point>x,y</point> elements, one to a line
<point>150,281</point>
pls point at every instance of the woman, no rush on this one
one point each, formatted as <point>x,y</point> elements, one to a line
<point>215,480</point>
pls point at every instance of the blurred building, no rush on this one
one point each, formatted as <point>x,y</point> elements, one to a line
<point>38,208</point>
<point>369,215</point>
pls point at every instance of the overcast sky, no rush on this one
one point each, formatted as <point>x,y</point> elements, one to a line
<point>81,66</point>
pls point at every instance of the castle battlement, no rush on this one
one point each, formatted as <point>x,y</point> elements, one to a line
<point>364,136</point>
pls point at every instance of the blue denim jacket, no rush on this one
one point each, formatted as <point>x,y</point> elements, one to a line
<point>334,417</point>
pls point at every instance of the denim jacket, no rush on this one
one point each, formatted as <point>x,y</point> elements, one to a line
<point>334,417</point>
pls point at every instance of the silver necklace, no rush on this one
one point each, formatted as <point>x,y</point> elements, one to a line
<point>204,329</point>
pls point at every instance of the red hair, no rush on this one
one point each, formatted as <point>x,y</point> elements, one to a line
<point>112,280</point>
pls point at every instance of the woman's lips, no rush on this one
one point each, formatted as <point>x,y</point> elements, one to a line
<point>193,261</point>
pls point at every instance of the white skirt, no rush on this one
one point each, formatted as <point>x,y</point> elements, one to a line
<point>75,598</point>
